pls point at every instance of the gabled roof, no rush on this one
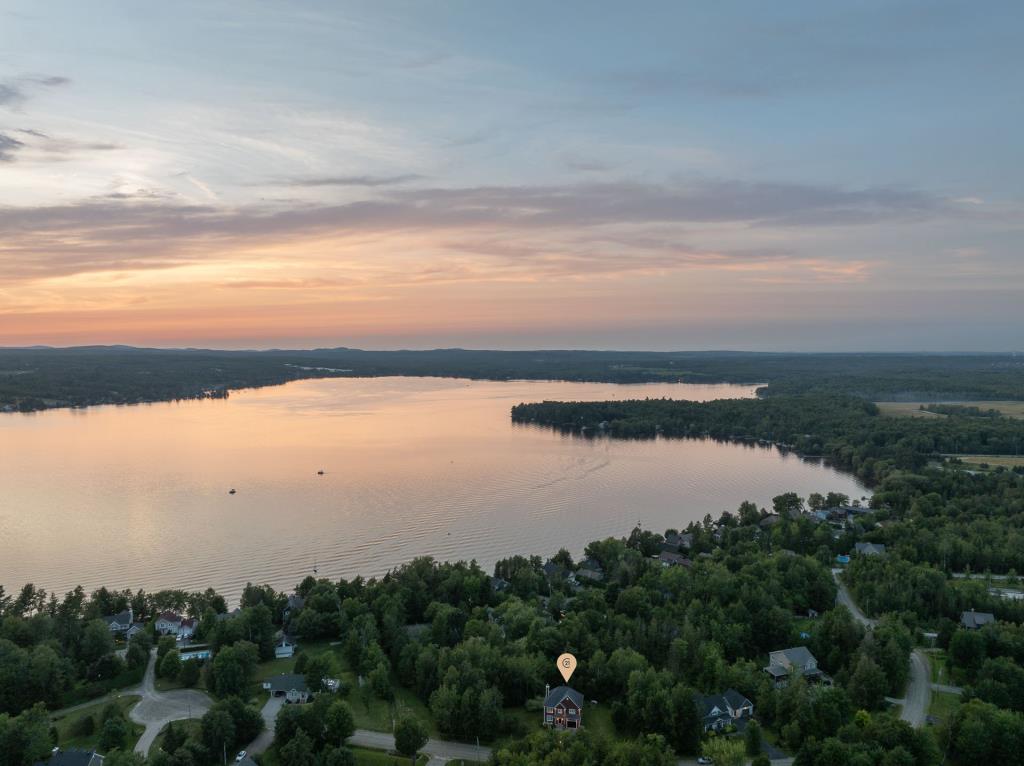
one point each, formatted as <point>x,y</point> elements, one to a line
<point>735,699</point>
<point>121,618</point>
<point>974,619</point>
<point>168,617</point>
<point>870,549</point>
<point>500,584</point>
<point>673,559</point>
<point>559,693</point>
<point>797,655</point>
<point>287,682</point>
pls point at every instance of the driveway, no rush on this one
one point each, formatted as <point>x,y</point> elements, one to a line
<point>266,737</point>
<point>157,709</point>
<point>843,597</point>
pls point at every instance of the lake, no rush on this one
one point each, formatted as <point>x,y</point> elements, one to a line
<point>138,496</point>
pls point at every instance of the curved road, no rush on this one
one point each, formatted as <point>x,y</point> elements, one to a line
<point>156,709</point>
<point>918,697</point>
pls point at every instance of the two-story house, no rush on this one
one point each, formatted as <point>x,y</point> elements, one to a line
<point>563,707</point>
<point>786,664</point>
<point>721,710</point>
<point>121,622</point>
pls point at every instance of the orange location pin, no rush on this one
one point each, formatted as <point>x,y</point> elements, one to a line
<point>566,665</point>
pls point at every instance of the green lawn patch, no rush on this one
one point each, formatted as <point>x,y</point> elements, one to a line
<point>69,726</point>
<point>943,705</point>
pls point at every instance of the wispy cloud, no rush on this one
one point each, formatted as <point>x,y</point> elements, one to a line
<point>16,90</point>
<point>361,180</point>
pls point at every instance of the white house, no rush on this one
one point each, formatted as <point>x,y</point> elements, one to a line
<point>171,624</point>
<point>284,649</point>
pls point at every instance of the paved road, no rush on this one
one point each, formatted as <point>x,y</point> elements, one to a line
<point>918,697</point>
<point>844,598</point>
<point>157,709</point>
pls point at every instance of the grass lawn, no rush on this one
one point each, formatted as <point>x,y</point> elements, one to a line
<point>943,705</point>
<point>67,724</point>
<point>940,671</point>
<point>975,461</point>
<point>187,727</point>
<point>1010,409</point>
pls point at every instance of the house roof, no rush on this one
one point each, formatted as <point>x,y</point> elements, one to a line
<point>673,559</point>
<point>974,619</point>
<point>559,693</point>
<point>287,682</point>
<point>797,655</point>
<point>121,618</point>
<point>870,549</point>
<point>295,601</point>
<point>500,583</point>
<point>735,699</point>
<point>72,758</point>
<point>168,617</point>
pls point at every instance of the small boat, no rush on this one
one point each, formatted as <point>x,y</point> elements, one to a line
<point>320,472</point>
<point>232,491</point>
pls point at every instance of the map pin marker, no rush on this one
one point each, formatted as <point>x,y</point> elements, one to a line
<point>566,665</point>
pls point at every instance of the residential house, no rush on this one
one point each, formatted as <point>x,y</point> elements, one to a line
<point>787,664</point>
<point>770,520</point>
<point>869,549</point>
<point>72,758</point>
<point>284,649</point>
<point>721,710</point>
<point>137,627</point>
<point>679,540</point>
<point>291,686</point>
<point>120,622</point>
<point>973,620</point>
<point>168,623</point>
<point>295,603</point>
<point>563,708</point>
<point>590,569</point>
<point>669,559</point>
<point>500,584</point>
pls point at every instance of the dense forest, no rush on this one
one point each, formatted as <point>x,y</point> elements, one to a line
<point>37,378</point>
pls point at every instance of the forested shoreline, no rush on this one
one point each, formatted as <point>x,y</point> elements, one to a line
<point>43,378</point>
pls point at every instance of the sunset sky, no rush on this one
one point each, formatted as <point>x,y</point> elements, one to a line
<point>791,176</point>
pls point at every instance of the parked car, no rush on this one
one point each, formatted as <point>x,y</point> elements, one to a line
<point>240,757</point>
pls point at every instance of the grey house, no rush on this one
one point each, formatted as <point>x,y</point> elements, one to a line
<point>973,620</point>
<point>291,686</point>
<point>120,622</point>
<point>71,758</point>
<point>870,549</point>
<point>721,710</point>
<point>786,664</point>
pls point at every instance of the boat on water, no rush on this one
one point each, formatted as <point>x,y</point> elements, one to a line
<point>232,491</point>
<point>320,472</point>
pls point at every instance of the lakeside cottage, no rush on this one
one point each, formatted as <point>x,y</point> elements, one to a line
<point>669,559</point>
<point>120,622</point>
<point>590,569</point>
<point>172,624</point>
<point>563,708</point>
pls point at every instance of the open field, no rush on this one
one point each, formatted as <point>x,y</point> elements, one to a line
<point>975,461</point>
<point>68,725</point>
<point>1010,409</point>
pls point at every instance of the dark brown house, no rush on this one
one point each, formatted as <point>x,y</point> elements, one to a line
<point>563,708</point>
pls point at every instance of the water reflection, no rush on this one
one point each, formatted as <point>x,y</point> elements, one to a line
<point>138,496</point>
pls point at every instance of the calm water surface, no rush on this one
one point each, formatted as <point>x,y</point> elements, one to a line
<point>138,496</point>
